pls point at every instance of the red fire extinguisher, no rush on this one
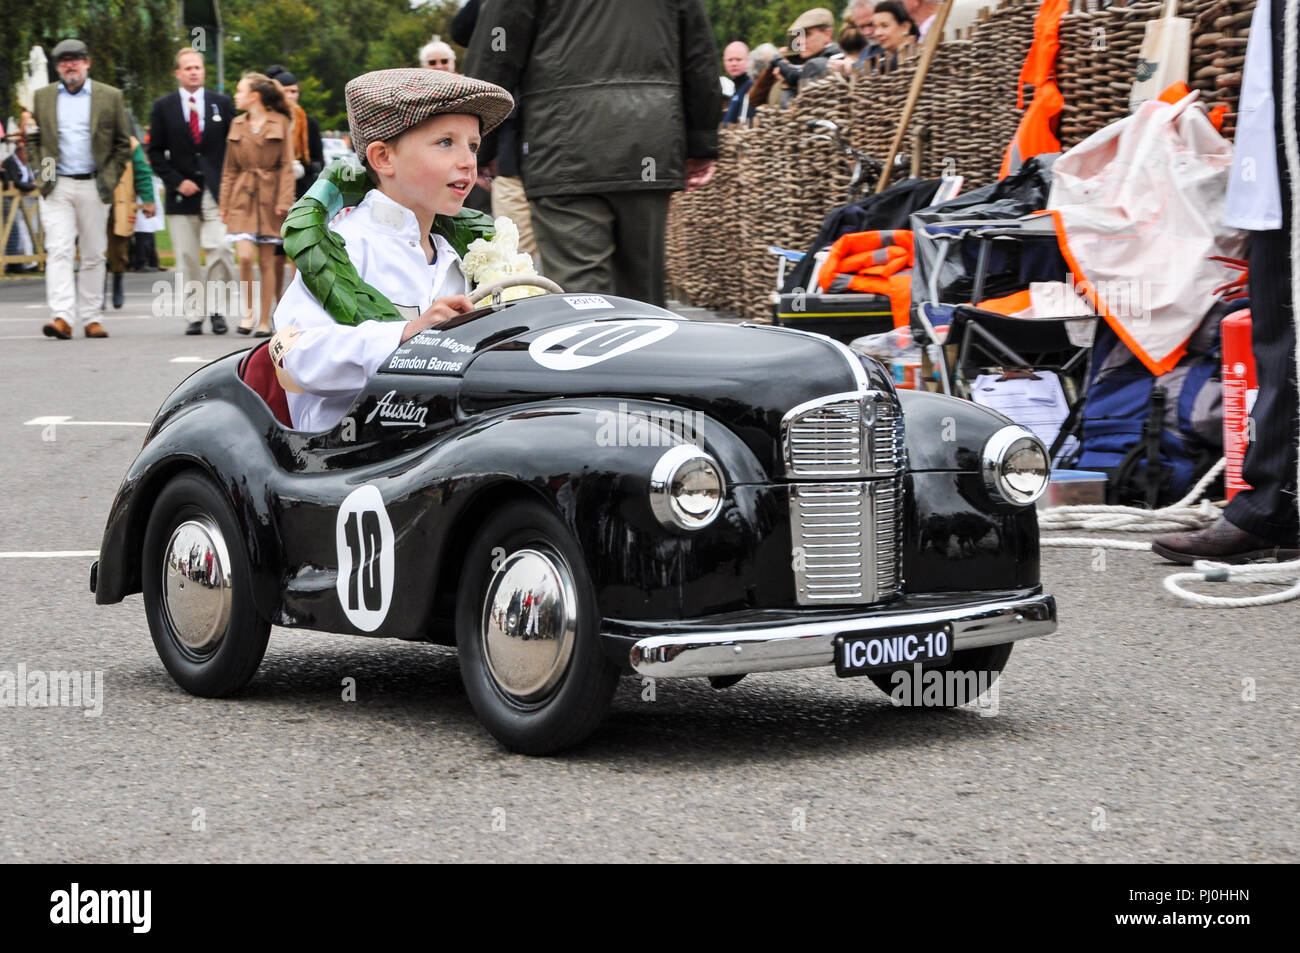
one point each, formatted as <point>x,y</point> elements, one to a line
<point>1239,390</point>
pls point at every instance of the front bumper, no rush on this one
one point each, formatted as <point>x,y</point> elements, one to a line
<point>774,642</point>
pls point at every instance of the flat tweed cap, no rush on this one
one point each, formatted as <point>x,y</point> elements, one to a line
<point>817,17</point>
<point>384,104</point>
<point>69,47</point>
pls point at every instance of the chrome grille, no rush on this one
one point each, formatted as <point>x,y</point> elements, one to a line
<point>845,539</point>
<point>843,435</point>
<point>827,440</point>
<point>887,512</point>
<point>885,423</point>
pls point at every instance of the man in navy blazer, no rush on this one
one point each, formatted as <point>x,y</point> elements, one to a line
<point>187,148</point>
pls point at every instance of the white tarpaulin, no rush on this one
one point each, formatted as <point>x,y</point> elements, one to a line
<point>1139,213</point>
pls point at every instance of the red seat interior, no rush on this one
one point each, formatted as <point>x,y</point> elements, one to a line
<point>258,372</point>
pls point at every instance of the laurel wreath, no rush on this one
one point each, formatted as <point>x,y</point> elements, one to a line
<point>321,255</point>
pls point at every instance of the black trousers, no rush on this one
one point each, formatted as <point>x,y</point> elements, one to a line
<point>143,252</point>
<point>1268,509</point>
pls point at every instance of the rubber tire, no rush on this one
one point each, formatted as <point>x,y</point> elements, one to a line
<point>576,706</point>
<point>986,658</point>
<point>240,652</point>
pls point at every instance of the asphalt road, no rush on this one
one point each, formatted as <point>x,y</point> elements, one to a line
<point>1127,736</point>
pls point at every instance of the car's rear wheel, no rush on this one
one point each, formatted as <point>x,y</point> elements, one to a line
<point>198,590</point>
<point>527,629</point>
<point>962,679</point>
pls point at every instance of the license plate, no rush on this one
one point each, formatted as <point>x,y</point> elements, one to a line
<point>892,648</point>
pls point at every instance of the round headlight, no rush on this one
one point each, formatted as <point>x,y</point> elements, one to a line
<point>686,488</point>
<point>1015,466</point>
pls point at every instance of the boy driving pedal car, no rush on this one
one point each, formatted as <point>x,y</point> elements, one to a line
<point>416,132</point>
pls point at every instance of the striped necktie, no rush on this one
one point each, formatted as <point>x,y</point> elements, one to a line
<point>195,134</point>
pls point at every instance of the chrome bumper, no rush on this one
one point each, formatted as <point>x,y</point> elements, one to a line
<point>774,648</point>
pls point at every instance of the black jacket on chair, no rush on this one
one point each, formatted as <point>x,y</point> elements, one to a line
<point>175,157</point>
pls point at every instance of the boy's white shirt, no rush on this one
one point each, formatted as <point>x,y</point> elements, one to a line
<point>332,362</point>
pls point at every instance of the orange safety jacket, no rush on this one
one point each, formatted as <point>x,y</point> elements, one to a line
<point>873,263</point>
<point>1036,133</point>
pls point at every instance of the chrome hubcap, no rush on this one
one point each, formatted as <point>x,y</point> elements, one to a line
<point>196,585</point>
<point>530,620</point>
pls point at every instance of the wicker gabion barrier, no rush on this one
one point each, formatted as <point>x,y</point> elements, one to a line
<point>774,185</point>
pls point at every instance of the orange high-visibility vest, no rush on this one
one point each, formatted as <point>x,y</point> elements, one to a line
<point>873,263</point>
<point>1036,133</point>
<point>1040,61</point>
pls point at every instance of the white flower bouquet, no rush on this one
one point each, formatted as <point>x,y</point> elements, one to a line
<point>486,261</point>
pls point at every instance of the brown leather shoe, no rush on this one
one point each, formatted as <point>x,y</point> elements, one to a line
<point>95,330</point>
<point>1222,542</point>
<point>58,329</point>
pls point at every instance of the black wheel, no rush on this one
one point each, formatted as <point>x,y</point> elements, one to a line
<point>985,664</point>
<point>527,630</point>
<point>198,590</point>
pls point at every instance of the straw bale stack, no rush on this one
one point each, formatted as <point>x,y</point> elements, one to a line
<point>774,186</point>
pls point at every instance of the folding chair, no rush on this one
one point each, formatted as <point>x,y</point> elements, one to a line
<point>1007,255</point>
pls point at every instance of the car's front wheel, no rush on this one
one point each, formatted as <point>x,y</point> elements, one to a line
<point>527,630</point>
<point>198,591</point>
<point>959,681</point>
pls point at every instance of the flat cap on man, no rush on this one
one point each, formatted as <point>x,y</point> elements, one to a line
<point>69,47</point>
<point>385,103</point>
<point>813,19</point>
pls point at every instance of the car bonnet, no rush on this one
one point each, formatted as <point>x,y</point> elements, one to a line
<point>600,346</point>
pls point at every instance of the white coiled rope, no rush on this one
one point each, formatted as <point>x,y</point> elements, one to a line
<point>1185,514</point>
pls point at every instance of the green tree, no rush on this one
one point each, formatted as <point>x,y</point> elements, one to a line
<point>130,42</point>
<point>759,21</point>
<point>325,43</point>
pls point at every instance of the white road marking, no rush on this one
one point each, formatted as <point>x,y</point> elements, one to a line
<point>69,422</point>
<point>52,554</point>
<point>190,360</point>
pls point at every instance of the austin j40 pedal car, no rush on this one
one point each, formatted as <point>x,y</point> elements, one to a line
<point>572,487</point>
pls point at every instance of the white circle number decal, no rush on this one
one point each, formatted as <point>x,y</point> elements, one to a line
<point>363,536</point>
<point>582,345</point>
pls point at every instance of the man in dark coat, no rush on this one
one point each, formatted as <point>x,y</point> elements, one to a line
<point>620,105</point>
<point>735,60</point>
<point>187,148</point>
<point>812,37</point>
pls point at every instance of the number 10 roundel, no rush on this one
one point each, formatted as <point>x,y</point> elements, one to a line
<point>363,536</point>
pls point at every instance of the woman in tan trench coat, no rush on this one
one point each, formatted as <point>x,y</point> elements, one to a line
<point>257,189</point>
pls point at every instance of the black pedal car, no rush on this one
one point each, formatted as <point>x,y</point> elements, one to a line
<point>573,487</point>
